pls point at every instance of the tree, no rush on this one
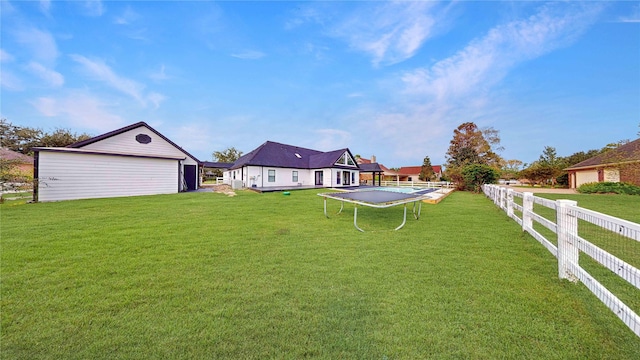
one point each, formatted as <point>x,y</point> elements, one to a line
<point>510,169</point>
<point>471,145</point>
<point>230,155</point>
<point>17,138</point>
<point>62,137</point>
<point>23,139</point>
<point>476,175</point>
<point>426,171</point>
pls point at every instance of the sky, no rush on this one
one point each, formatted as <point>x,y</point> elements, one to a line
<point>390,79</point>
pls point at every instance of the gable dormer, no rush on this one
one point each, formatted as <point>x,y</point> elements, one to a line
<point>346,160</point>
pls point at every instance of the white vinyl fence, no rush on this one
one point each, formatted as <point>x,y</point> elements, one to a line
<point>571,224</point>
<point>421,184</point>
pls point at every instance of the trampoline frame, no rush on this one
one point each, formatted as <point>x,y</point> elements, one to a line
<point>380,205</point>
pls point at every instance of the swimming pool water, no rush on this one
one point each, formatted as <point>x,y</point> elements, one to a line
<point>404,190</point>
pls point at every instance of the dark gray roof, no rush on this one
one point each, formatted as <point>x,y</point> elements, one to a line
<point>83,143</point>
<point>371,167</point>
<point>628,152</point>
<point>288,156</point>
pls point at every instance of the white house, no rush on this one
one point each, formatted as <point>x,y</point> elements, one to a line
<point>279,165</point>
<point>133,160</point>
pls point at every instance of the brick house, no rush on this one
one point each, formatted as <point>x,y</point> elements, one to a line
<point>621,164</point>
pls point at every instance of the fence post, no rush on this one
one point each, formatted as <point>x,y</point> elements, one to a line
<point>527,209</point>
<point>510,203</point>
<point>567,229</point>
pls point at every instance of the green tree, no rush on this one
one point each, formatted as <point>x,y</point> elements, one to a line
<point>17,138</point>
<point>476,175</point>
<point>471,145</point>
<point>510,169</point>
<point>230,155</point>
<point>426,171</point>
<point>62,137</point>
<point>23,139</point>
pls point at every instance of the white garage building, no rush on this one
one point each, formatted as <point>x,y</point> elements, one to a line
<point>134,160</point>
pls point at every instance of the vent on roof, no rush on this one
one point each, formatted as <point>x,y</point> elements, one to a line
<point>298,156</point>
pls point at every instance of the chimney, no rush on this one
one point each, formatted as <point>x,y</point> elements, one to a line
<point>373,158</point>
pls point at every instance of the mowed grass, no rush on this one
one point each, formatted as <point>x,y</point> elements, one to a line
<point>202,275</point>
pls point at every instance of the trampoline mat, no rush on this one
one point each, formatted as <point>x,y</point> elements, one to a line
<point>375,196</point>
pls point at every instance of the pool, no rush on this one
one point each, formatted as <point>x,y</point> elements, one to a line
<point>402,190</point>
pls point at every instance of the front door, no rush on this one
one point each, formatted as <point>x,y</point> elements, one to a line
<point>319,175</point>
<point>346,175</point>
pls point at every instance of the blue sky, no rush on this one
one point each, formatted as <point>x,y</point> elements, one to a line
<point>391,79</point>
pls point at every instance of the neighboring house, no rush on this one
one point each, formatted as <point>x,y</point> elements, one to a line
<point>621,164</point>
<point>279,165</point>
<point>21,164</point>
<point>412,173</point>
<point>369,170</point>
<point>133,160</point>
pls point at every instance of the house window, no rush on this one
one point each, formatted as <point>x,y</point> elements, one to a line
<point>353,178</point>
<point>347,160</point>
<point>272,176</point>
<point>294,176</point>
<point>338,178</point>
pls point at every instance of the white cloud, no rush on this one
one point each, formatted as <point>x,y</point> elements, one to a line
<point>156,99</point>
<point>391,32</point>
<point>331,139</point>
<point>485,61</point>
<point>10,82</point>
<point>159,75</point>
<point>93,8</point>
<point>80,109</point>
<point>303,14</point>
<point>249,55</point>
<point>434,99</point>
<point>45,6</point>
<point>41,44</point>
<point>102,72</point>
<point>127,17</point>
<point>51,77</point>
<point>5,56</point>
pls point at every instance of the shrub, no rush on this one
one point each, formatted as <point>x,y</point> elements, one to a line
<point>609,188</point>
<point>476,175</point>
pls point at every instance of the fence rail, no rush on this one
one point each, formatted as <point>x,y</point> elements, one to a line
<point>570,244</point>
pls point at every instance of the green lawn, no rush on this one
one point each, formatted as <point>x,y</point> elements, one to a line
<point>202,275</point>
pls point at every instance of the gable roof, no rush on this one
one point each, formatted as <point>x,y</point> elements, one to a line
<point>83,143</point>
<point>282,155</point>
<point>629,152</point>
<point>411,170</point>
<point>8,154</point>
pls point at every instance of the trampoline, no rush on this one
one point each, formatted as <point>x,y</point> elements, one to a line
<point>378,199</point>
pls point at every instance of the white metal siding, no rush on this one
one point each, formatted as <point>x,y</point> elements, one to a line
<point>583,177</point>
<point>126,143</point>
<point>67,176</point>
